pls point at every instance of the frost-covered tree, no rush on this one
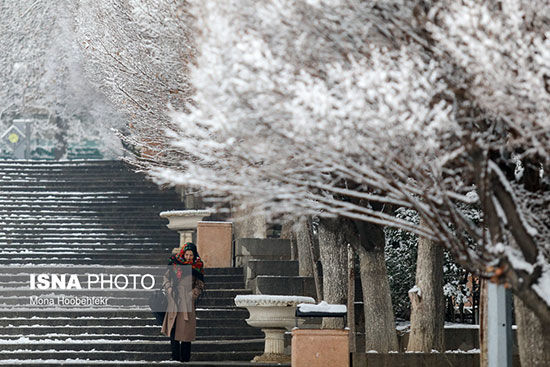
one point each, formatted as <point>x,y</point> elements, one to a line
<point>41,74</point>
<point>325,107</point>
<point>138,54</point>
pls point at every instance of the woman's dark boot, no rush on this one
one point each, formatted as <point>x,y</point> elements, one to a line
<point>185,351</point>
<point>176,349</point>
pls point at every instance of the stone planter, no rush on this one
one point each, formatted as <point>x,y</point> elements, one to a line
<point>274,315</point>
<point>185,222</point>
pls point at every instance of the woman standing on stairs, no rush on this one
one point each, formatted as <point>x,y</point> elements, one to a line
<point>181,292</point>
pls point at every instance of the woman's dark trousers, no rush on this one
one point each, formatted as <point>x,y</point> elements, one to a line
<point>180,351</point>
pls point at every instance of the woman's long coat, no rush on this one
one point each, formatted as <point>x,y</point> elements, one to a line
<point>182,318</point>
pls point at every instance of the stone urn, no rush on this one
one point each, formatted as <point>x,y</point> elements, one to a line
<point>274,315</point>
<point>185,222</point>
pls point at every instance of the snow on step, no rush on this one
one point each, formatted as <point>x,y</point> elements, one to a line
<point>76,212</point>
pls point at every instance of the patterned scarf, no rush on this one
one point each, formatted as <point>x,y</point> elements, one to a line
<point>197,264</point>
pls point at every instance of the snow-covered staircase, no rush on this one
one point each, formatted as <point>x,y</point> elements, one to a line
<point>100,212</point>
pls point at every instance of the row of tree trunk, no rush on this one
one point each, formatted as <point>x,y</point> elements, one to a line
<point>330,246</point>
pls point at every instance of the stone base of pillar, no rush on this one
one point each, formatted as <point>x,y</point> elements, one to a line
<point>274,341</point>
<point>185,236</point>
<point>320,348</point>
<point>272,358</point>
<point>274,348</point>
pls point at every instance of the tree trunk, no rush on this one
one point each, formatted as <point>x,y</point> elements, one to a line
<point>533,338</point>
<point>61,143</point>
<point>351,300</point>
<point>305,249</point>
<point>334,258</point>
<point>304,245</point>
<point>247,224</point>
<point>483,351</point>
<point>380,332</point>
<point>288,233</point>
<point>427,301</point>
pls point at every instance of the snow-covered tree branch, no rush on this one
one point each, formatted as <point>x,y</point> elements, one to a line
<point>41,70</point>
<point>138,53</point>
<point>325,107</point>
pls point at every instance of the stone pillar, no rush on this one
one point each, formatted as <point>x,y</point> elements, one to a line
<point>320,348</point>
<point>499,326</point>
<point>214,240</point>
<point>185,236</point>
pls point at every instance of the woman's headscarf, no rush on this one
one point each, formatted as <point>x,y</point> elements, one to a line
<point>197,265</point>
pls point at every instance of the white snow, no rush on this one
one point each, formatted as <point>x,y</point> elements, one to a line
<point>85,362</point>
<point>416,289</point>
<point>475,350</point>
<point>322,307</point>
<point>261,297</point>
<point>542,287</point>
<point>514,256</point>
<point>184,213</point>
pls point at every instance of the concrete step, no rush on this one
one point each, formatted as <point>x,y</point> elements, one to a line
<point>202,313</point>
<point>119,321</point>
<point>117,251</point>
<point>6,255</point>
<point>75,243</point>
<point>248,345</point>
<point>109,330</point>
<point>112,203</point>
<point>24,284</point>
<point>77,189</point>
<point>124,355</point>
<point>116,337</point>
<point>215,275</point>
<point>9,302</point>
<point>87,230</point>
<point>84,261</point>
<point>119,337</point>
<point>89,238</point>
<point>247,249</point>
<point>10,194</point>
<point>76,220</point>
<point>214,294</point>
<point>94,209</point>
<point>74,182</point>
<point>271,267</point>
<point>212,281</point>
<point>41,177</point>
<point>33,241</point>
<point>283,285</point>
<point>83,181</point>
<point>111,212</point>
<point>80,363</point>
<point>62,224</point>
